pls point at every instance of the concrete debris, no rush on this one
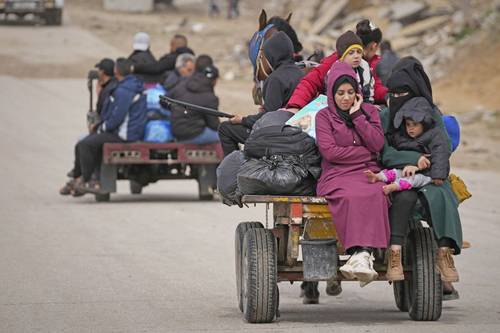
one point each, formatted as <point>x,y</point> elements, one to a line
<point>403,43</point>
<point>480,113</point>
<point>198,27</point>
<point>424,26</point>
<point>229,76</point>
<point>407,11</point>
<point>393,30</point>
<point>432,31</point>
<point>328,16</point>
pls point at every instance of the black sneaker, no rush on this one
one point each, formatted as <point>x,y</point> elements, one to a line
<point>449,292</point>
<point>333,287</point>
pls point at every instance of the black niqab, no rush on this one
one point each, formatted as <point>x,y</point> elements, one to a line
<point>408,75</point>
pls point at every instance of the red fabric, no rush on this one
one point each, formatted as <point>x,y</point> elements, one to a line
<point>380,89</point>
<point>312,84</point>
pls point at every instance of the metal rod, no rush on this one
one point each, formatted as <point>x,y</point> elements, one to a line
<point>167,100</point>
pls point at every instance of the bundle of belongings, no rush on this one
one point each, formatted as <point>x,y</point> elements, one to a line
<point>278,159</point>
<point>159,127</point>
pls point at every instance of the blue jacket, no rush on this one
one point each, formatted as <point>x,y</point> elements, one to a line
<point>127,110</point>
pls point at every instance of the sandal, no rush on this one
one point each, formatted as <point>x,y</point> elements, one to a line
<point>67,188</point>
<point>92,186</point>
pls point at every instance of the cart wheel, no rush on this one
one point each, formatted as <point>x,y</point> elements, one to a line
<point>135,187</point>
<point>260,276</point>
<point>425,288</point>
<point>104,197</point>
<point>238,247</point>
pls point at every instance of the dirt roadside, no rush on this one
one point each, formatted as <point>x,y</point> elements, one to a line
<point>89,33</point>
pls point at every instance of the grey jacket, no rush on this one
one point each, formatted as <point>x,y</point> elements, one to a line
<point>433,141</point>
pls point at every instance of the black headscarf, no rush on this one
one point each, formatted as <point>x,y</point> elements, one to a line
<point>408,75</point>
<point>345,116</point>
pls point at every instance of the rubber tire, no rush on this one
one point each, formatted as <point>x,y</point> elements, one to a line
<point>239,234</point>
<point>102,197</point>
<point>426,290</point>
<point>260,276</point>
<point>135,187</point>
<point>53,16</point>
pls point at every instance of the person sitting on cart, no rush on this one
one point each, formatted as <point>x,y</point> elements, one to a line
<point>407,82</point>
<point>349,137</point>
<point>142,55</point>
<point>178,46</point>
<point>124,122</point>
<point>184,68</point>
<point>193,126</point>
<point>277,89</point>
<point>106,85</point>
<point>106,80</point>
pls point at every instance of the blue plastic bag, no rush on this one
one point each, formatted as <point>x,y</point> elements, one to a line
<point>153,100</point>
<point>453,130</point>
<point>158,131</point>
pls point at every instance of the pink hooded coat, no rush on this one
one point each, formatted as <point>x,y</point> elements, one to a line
<point>359,209</point>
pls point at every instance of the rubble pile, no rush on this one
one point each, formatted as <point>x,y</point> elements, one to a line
<point>432,31</point>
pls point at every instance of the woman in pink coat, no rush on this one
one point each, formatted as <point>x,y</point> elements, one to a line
<point>349,136</point>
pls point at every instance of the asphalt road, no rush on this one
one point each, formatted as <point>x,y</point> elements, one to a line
<point>164,262</point>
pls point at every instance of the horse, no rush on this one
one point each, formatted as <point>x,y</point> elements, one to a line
<point>266,29</point>
<point>261,67</point>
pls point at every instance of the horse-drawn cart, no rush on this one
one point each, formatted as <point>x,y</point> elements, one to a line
<point>300,244</point>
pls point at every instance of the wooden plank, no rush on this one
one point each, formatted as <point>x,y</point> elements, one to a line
<point>328,16</point>
<point>280,198</point>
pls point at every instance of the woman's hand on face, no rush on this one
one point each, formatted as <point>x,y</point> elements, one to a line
<point>357,104</point>
<point>423,162</point>
<point>409,171</point>
<point>438,182</point>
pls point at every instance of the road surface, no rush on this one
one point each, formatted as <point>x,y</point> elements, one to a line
<point>164,262</point>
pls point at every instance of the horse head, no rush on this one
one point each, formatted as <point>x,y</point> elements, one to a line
<point>266,30</point>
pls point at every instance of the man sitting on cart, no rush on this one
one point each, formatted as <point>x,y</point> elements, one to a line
<point>106,85</point>
<point>124,121</point>
<point>192,126</point>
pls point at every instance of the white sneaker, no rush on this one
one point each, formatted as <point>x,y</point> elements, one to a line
<point>347,269</point>
<point>364,271</point>
<point>360,267</point>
